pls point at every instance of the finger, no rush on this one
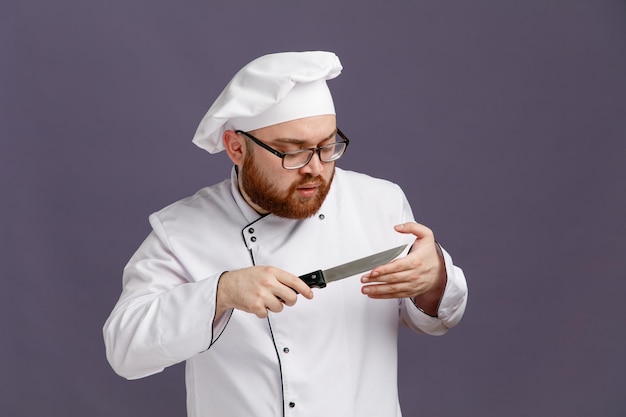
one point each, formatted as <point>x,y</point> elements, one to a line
<point>286,295</point>
<point>394,283</point>
<point>386,272</point>
<point>395,290</point>
<point>274,305</point>
<point>416,229</point>
<point>403,287</point>
<point>261,314</point>
<point>295,284</point>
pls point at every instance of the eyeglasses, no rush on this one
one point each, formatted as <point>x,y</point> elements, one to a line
<point>301,157</point>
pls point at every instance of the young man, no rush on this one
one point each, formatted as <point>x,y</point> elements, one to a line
<point>217,282</point>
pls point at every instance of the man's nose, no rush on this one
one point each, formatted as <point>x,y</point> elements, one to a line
<point>314,167</point>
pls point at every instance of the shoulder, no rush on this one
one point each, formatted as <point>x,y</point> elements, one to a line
<point>207,202</point>
<point>374,203</point>
<point>364,183</point>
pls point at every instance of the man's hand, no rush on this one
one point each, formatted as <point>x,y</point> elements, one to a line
<point>420,275</point>
<point>259,289</point>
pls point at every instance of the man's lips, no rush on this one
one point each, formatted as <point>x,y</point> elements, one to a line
<point>308,186</point>
<point>308,190</point>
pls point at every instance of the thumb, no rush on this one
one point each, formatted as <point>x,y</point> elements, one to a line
<point>418,230</point>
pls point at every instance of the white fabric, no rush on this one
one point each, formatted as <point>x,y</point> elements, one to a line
<point>303,100</point>
<point>342,346</point>
<point>272,89</point>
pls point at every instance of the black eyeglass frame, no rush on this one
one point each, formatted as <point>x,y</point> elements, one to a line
<point>282,155</point>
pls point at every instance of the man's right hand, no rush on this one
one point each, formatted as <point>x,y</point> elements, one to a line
<point>259,289</point>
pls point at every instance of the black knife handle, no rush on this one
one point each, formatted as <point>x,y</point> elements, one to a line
<point>314,279</point>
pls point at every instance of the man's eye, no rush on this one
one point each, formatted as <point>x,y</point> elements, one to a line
<point>293,150</point>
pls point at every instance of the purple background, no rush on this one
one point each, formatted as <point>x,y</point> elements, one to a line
<point>505,123</point>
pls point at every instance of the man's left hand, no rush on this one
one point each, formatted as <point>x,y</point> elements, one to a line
<point>420,275</point>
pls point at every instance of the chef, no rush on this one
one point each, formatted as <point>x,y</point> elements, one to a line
<point>217,282</point>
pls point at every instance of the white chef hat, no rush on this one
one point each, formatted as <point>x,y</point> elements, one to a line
<point>271,89</point>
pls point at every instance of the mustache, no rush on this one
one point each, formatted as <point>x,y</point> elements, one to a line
<point>308,179</point>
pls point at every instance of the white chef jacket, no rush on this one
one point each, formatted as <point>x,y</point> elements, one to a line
<point>335,355</point>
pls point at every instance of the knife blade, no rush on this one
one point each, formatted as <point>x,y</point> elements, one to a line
<point>319,278</point>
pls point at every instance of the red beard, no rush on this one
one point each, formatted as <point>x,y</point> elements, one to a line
<point>265,195</point>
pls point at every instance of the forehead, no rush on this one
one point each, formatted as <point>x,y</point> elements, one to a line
<point>306,130</point>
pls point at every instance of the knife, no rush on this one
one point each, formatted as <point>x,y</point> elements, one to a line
<point>319,278</point>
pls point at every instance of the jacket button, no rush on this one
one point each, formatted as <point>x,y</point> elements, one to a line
<point>286,350</point>
<point>292,404</point>
<point>321,217</point>
<point>251,230</point>
<point>253,239</point>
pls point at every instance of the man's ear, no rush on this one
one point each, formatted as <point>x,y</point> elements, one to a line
<point>235,146</point>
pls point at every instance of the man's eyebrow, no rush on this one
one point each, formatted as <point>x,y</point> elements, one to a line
<point>300,141</point>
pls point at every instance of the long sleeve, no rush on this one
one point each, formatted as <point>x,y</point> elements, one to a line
<point>166,312</point>
<point>161,317</point>
<point>450,310</point>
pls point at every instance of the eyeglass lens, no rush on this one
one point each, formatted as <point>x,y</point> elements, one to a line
<point>327,153</point>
